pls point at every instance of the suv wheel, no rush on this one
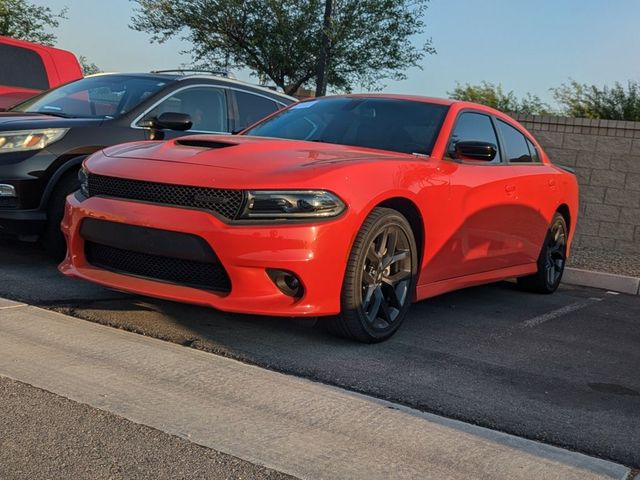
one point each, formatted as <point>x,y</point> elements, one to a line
<point>52,238</point>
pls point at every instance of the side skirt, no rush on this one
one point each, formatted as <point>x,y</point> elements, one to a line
<point>444,286</point>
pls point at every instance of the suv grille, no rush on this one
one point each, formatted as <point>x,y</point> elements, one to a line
<point>192,273</point>
<point>8,202</point>
<point>226,203</point>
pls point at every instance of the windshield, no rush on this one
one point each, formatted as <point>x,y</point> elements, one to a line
<point>104,96</point>
<point>381,123</point>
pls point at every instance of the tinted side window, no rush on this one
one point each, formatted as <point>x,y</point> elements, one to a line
<point>515,143</point>
<point>22,68</point>
<point>473,126</point>
<point>252,108</point>
<point>207,107</point>
<point>534,152</point>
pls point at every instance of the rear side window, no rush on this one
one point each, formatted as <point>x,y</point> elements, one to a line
<point>22,68</point>
<point>515,144</point>
<point>473,127</point>
<point>252,108</point>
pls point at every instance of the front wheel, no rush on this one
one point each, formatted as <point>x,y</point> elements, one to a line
<point>551,261</point>
<point>379,281</point>
<point>52,238</point>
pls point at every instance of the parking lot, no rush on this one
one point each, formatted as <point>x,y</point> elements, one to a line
<point>563,369</point>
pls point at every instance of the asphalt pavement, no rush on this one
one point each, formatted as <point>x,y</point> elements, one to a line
<point>563,369</point>
<point>46,436</point>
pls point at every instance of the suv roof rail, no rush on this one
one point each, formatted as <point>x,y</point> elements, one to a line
<point>188,71</point>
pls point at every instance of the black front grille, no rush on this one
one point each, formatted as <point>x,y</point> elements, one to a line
<point>191,273</point>
<point>224,202</point>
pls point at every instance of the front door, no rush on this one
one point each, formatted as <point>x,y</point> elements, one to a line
<point>483,206</point>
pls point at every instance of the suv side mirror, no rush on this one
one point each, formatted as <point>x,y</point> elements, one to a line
<point>475,150</point>
<point>172,121</point>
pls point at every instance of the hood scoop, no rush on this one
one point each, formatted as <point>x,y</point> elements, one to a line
<point>203,143</point>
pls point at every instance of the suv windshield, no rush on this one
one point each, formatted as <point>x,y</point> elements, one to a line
<point>381,123</point>
<point>103,96</point>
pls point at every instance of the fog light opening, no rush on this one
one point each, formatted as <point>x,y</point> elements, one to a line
<point>287,282</point>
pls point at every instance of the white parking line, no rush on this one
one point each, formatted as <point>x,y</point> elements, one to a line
<point>540,319</point>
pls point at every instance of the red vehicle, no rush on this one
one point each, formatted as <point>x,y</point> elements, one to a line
<point>29,68</point>
<point>349,207</point>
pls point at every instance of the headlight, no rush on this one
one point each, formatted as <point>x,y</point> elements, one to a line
<point>83,178</point>
<point>288,204</point>
<point>23,140</point>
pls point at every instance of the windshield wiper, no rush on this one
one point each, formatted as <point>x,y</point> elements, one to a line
<point>54,114</point>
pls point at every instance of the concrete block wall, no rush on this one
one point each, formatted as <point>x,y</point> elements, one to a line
<point>606,157</point>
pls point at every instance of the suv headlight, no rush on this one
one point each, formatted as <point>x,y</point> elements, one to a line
<point>24,140</point>
<point>291,204</point>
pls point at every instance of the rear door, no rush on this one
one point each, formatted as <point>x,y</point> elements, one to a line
<point>537,187</point>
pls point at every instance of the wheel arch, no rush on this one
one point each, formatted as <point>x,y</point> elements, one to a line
<point>67,167</point>
<point>412,213</point>
<point>563,210</point>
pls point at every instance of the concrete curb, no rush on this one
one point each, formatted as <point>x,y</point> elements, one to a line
<point>292,425</point>
<point>605,281</point>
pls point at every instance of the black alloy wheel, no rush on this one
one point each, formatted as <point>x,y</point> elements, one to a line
<point>552,259</point>
<point>380,279</point>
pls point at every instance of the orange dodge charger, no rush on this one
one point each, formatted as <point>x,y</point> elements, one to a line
<point>347,207</point>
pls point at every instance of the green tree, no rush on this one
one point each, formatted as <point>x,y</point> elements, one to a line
<point>88,68</point>
<point>362,42</point>
<point>25,21</point>
<point>492,95</point>
<point>589,101</point>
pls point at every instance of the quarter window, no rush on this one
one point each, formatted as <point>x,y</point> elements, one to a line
<point>515,144</point>
<point>207,107</point>
<point>473,127</point>
<point>252,108</point>
<point>534,152</point>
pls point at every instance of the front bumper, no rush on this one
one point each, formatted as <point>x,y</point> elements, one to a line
<point>316,253</point>
<point>28,174</point>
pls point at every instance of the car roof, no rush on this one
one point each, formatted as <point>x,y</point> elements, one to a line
<point>424,99</point>
<point>180,77</point>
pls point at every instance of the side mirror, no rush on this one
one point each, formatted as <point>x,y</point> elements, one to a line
<point>172,121</point>
<point>475,150</point>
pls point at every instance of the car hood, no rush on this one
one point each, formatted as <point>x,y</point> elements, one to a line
<point>250,154</point>
<point>26,121</point>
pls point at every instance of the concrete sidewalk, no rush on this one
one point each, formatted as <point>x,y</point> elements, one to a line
<point>289,424</point>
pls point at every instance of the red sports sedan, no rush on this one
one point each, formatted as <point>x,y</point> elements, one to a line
<point>349,207</point>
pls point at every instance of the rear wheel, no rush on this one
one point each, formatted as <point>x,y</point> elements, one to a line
<point>379,281</point>
<point>551,261</point>
<point>52,238</point>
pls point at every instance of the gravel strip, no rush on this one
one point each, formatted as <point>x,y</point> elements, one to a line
<point>605,261</point>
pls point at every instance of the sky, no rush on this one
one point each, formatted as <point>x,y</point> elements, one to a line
<point>524,45</point>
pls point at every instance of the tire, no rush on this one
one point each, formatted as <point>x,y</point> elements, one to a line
<point>52,238</point>
<point>551,261</point>
<point>378,285</point>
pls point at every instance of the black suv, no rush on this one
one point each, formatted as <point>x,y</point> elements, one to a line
<point>44,140</point>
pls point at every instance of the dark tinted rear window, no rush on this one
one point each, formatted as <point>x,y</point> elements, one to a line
<point>252,108</point>
<point>22,68</point>
<point>515,143</point>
